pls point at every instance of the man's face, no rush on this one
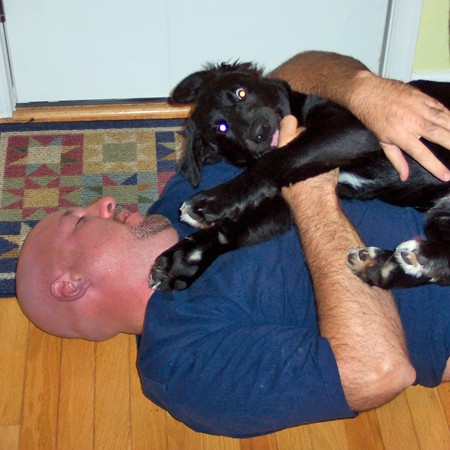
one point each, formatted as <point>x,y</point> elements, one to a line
<point>112,247</point>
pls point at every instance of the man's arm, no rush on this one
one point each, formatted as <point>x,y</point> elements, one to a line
<point>360,322</point>
<point>396,112</point>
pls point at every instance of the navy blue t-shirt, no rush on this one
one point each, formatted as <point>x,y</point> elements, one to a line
<point>239,352</point>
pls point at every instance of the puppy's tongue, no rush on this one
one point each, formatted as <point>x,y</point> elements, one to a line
<point>275,137</point>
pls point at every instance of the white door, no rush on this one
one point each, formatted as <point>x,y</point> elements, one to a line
<point>110,49</point>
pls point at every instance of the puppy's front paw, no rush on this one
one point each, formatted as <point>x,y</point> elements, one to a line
<point>192,212</point>
<point>208,209</point>
<point>176,268</point>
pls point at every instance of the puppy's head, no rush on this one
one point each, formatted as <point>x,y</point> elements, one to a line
<point>237,115</point>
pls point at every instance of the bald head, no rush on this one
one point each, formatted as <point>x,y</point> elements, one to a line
<point>83,273</point>
<point>44,264</point>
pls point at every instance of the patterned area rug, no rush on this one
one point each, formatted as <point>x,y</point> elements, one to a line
<point>45,167</point>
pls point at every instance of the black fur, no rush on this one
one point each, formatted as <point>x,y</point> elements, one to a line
<point>237,113</point>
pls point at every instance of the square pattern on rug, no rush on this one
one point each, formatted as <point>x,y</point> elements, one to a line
<point>44,168</point>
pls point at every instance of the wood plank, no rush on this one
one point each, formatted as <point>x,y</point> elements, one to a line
<point>91,112</point>
<point>41,391</point>
<point>112,394</point>
<point>148,421</point>
<point>267,442</point>
<point>295,438</point>
<point>9,437</point>
<point>76,400</point>
<point>364,432</point>
<point>13,346</point>
<point>396,426</point>
<point>179,436</point>
<point>444,395</point>
<point>220,443</point>
<point>424,403</point>
<point>329,435</point>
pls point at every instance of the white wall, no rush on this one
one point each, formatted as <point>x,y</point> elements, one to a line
<point>111,49</point>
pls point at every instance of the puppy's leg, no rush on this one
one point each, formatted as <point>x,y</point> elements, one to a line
<point>318,150</point>
<point>179,266</point>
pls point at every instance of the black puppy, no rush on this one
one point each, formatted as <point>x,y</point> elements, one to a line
<point>237,116</point>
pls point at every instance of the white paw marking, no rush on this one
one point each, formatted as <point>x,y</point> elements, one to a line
<point>387,268</point>
<point>222,238</point>
<point>195,256</point>
<point>185,217</point>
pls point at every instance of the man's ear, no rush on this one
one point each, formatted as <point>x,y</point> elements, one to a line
<point>68,290</point>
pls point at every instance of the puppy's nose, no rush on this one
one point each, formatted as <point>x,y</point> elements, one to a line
<point>260,131</point>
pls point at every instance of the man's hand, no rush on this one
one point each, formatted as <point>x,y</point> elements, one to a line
<point>289,129</point>
<point>400,115</point>
<point>397,113</point>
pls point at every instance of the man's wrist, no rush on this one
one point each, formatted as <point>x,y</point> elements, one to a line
<point>306,197</point>
<point>359,90</point>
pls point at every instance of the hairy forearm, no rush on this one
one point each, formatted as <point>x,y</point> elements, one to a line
<point>361,322</point>
<point>325,74</point>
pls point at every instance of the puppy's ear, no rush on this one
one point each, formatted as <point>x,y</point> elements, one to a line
<point>196,154</point>
<point>190,164</point>
<point>187,90</point>
<point>286,97</point>
<point>283,85</point>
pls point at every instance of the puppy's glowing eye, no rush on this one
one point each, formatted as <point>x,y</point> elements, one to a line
<point>241,93</point>
<point>222,127</point>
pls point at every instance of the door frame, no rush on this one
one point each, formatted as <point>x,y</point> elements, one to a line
<point>8,98</point>
<point>402,29</point>
<point>402,25</point>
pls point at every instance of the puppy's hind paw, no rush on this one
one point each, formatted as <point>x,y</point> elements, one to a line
<point>410,259</point>
<point>372,264</point>
<point>359,259</point>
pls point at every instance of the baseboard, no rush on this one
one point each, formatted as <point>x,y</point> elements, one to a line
<point>91,112</point>
<point>443,75</point>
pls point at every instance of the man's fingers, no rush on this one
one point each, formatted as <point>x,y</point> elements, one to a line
<point>288,130</point>
<point>434,123</point>
<point>422,155</point>
<point>436,108</point>
<point>397,159</point>
<point>436,133</point>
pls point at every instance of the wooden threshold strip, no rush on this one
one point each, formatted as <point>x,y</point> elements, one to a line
<point>91,112</point>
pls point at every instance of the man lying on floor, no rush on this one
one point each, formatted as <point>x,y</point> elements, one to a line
<point>270,336</point>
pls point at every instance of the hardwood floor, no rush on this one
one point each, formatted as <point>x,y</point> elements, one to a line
<point>71,394</point>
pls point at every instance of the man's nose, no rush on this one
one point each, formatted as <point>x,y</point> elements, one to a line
<point>105,207</point>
